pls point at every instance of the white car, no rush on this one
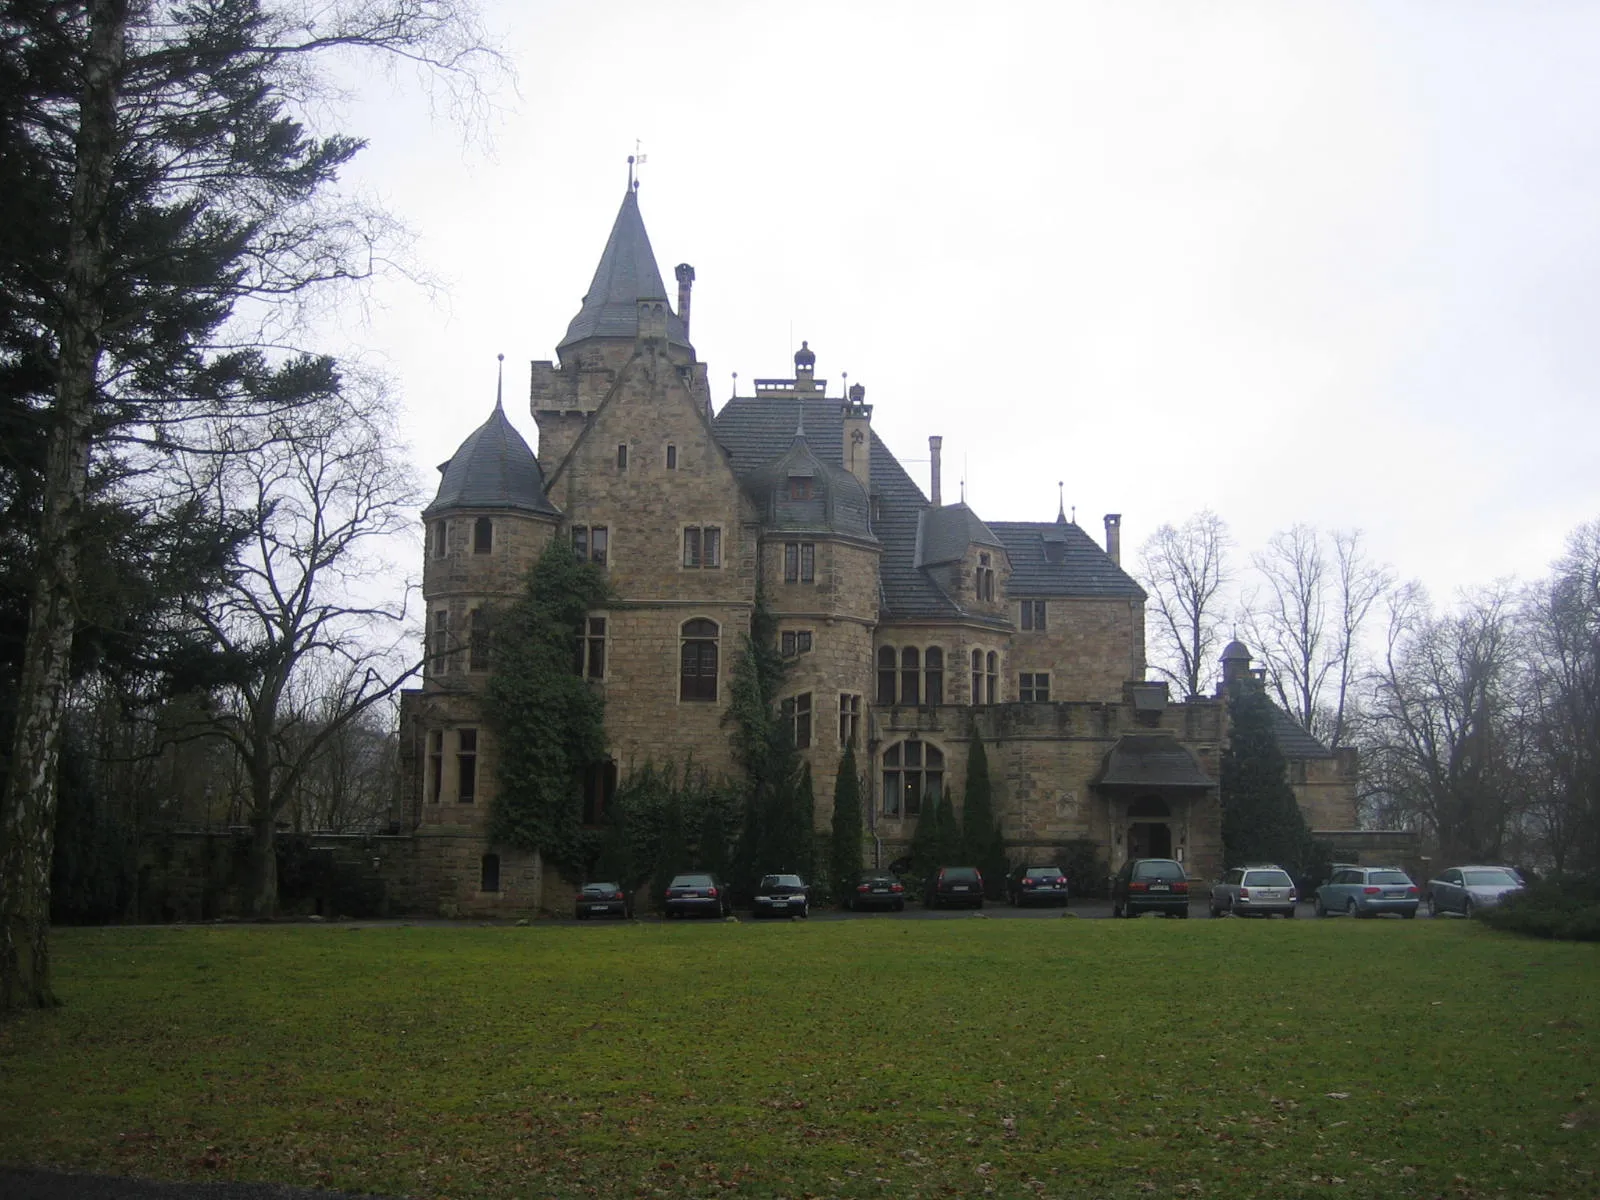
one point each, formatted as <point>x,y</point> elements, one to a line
<point>1254,891</point>
<point>1465,890</point>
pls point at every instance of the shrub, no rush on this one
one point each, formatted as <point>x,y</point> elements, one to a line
<point>1564,906</point>
<point>1087,872</point>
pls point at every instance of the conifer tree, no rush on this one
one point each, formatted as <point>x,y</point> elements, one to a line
<point>844,847</point>
<point>982,843</point>
<point>1261,819</point>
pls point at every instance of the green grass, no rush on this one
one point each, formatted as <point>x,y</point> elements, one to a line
<point>871,1057</point>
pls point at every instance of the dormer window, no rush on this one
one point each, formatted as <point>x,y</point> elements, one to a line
<point>799,487</point>
<point>985,577</point>
<point>1055,551</point>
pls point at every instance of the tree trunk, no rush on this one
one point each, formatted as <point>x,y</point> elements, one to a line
<point>261,874</point>
<point>27,810</point>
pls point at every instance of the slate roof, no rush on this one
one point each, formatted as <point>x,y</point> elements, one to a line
<point>1084,568</point>
<point>838,503</point>
<point>627,274</point>
<point>1294,739</point>
<point>494,468</point>
<point>945,533</point>
<point>1151,760</point>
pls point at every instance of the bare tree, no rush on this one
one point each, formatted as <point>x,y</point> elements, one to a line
<point>1185,569</point>
<point>323,500</point>
<point>1305,618</point>
<point>1442,745</point>
<point>170,178</point>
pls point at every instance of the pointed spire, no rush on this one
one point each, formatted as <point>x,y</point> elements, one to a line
<point>1061,513</point>
<point>500,385</point>
<point>627,274</point>
<point>800,424</point>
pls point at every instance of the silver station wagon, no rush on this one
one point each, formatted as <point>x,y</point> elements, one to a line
<point>1368,891</point>
<point>1254,891</point>
<point>1464,890</point>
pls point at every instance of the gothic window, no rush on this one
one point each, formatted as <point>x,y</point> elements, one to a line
<point>977,676</point>
<point>591,657</point>
<point>985,577</point>
<point>1033,687</point>
<point>849,717</point>
<point>913,772</point>
<point>933,676</point>
<point>466,766</point>
<point>1033,612</point>
<point>697,669</point>
<point>483,535</point>
<point>886,675</point>
<point>991,678</point>
<point>434,781</point>
<point>702,546</point>
<point>797,716</point>
<point>910,676</point>
<point>489,873</point>
<point>799,562</point>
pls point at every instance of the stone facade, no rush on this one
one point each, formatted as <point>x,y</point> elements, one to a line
<point>908,623</point>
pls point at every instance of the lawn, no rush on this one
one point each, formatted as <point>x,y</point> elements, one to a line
<point>868,1057</point>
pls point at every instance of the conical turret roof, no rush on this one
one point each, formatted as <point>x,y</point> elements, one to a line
<point>626,275</point>
<point>494,468</point>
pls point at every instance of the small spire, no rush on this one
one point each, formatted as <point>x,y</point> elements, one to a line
<point>735,394</point>
<point>1074,514</point>
<point>800,425</point>
<point>500,383</point>
<point>1061,512</point>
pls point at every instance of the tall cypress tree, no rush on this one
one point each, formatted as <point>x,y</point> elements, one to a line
<point>982,843</point>
<point>1261,819</point>
<point>844,847</point>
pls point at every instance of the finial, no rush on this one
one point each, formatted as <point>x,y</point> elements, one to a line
<point>630,173</point>
<point>1061,511</point>
<point>1074,514</point>
<point>800,424</point>
<point>640,159</point>
<point>735,395</point>
<point>500,381</point>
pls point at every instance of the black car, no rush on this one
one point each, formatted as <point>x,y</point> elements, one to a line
<point>877,889</point>
<point>955,885</point>
<point>1150,885</point>
<point>601,900</point>
<point>697,894</point>
<point>781,896</point>
<point>1037,885</point>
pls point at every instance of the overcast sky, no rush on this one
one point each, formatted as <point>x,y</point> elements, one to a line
<point>1332,263</point>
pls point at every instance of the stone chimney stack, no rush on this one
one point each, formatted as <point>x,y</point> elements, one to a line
<point>685,275</point>
<point>934,444</point>
<point>1114,537</point>
<point>857,449</point>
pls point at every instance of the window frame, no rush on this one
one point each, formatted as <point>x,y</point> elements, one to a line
<point>849,717</point>
<point>439,537</point>
<point>483,535</point>
<point>706,541</point>
<point>794,642</point>
<point>1034,616</point>
<point>797,714</point>
<point>671,456</point>
<point>983,583</point>
<point>906,783</point>
<point>699,639</point>
<point>479,646</point>
<point>467,765</point>
<point>799,562</point>
<point>593,635</point>
<point>1033,687</point>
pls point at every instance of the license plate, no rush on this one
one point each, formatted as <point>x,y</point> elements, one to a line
<point>880,891</point>
<point>598,907</point>
<point>1160,887</point>
<point>780,904</point>
<point>1392,893</point>
<point>960,887</point>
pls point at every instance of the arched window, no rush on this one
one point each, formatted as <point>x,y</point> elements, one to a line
<point>977,677</point>
<point>913,772</point>
<point>489,873</point>
<point>886,670</point>
<point>483,535</point>
<point>910,670</point>
<point>697,663</point>
<point>933,676</point>
<point>991,690</point>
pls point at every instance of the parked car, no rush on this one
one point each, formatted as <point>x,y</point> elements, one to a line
<point>781,896</point>
<point>1150,885</point>
<point>1368,891</point>
<point>877,889</point>
<point>1465,890</point>
<point>1037,885</point>
<point>955,885</point>
<point>697,894</point>
<point>1254,891</point>
<point>601,900</point>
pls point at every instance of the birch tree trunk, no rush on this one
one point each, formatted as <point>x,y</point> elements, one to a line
<point>27,810</point>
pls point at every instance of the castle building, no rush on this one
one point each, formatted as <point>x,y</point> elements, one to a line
<point>908,621</point>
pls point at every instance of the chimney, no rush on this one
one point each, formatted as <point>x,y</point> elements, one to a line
<point>1114,537</point>
<point>857,449</point>
<point>685,275</point>
<point>934,443</point>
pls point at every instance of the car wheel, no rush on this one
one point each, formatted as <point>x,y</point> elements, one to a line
<point>1350,909</point>
<point>1466,909</point>
<point>1182,914</point>
<point>1290,914</point>
<point>1410,914</point>
<point>1318,909</point>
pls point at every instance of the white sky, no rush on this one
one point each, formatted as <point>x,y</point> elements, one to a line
<point>1333,263</point>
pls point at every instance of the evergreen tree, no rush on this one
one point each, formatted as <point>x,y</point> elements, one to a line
<point>982,843</point>
<point>1261,819</point>
<point>548,721</point>
<point>936,841</point>
<point>844,846</point>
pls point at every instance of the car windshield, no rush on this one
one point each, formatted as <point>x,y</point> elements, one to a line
<point>1495,878</point>
<point>776,881</point>
<point>1388,877</point>
<point>691,881</point>
<point>889,879</point>
<point>1158,869</point>
<point>960,873</point>
<point>1043,873</point>
<point>1268,879</point>
<point>599,887</point>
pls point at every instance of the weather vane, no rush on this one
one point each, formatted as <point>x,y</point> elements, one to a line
<point>635,159</point>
